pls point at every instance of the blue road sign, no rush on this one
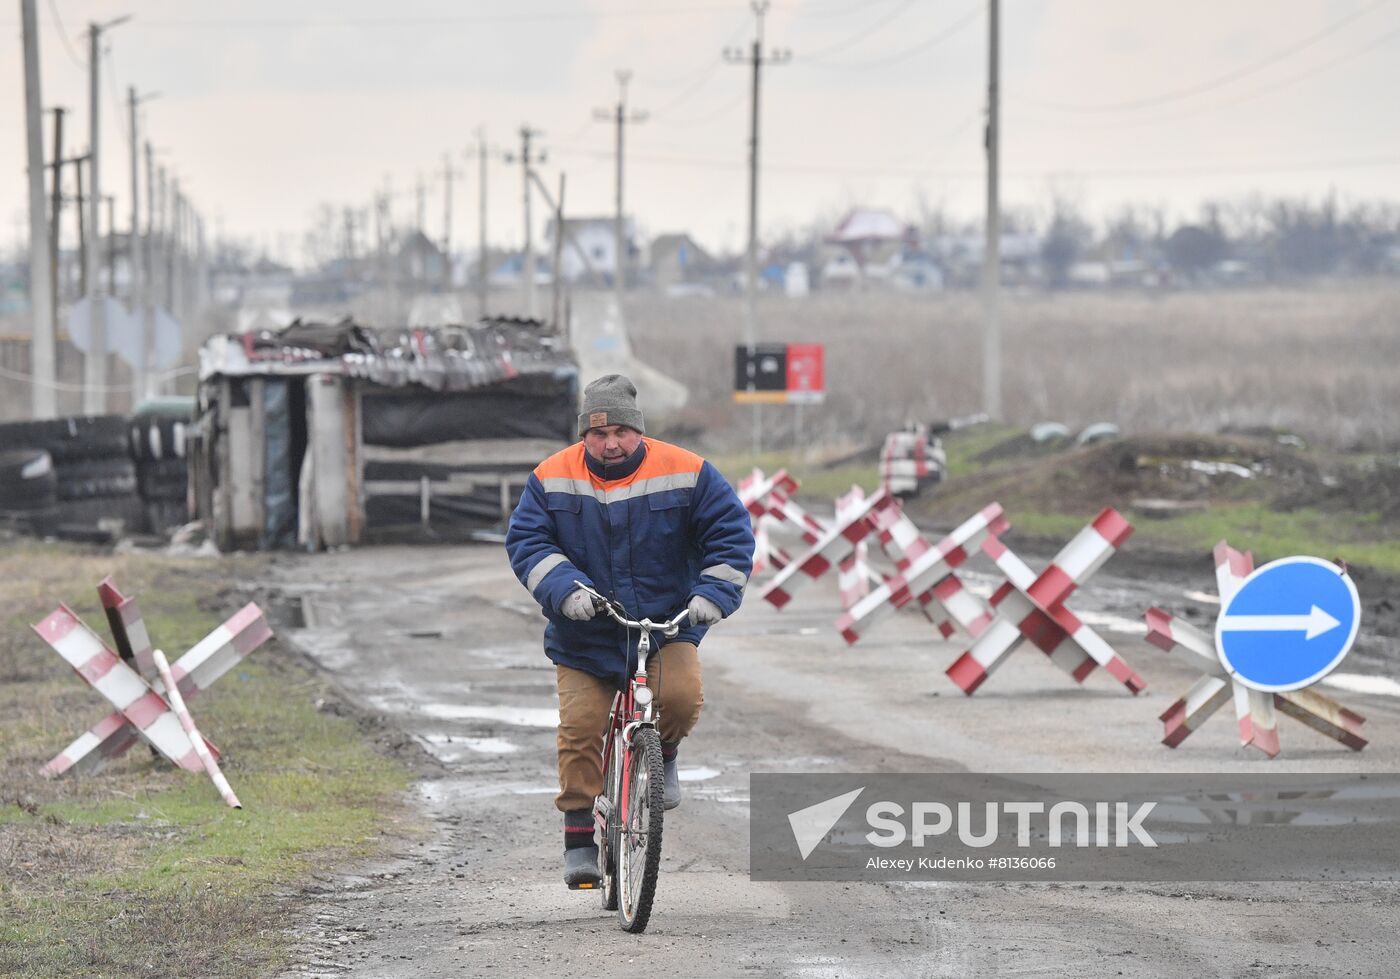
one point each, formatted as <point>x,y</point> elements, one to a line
<point>1288,624</point>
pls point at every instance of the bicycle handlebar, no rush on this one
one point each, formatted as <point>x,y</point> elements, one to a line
<point>601,603</point>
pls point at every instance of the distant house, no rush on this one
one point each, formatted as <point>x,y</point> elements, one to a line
<point>591,243</point>
<point>507,274</point>
<point>420,260</point>
<point>878,249</point>
<point>960,257</point>
<point>870,236</point>
<point>675,259</point>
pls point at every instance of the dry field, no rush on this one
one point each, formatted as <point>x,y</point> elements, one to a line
<point>1320,362</point>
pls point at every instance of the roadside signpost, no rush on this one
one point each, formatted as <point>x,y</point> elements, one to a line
<point>780,373</point>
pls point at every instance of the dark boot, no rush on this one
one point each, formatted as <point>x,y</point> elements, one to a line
<point>581,867</point>
<point>672,795</point>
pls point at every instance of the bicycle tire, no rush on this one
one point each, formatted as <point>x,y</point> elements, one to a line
<point>638,865</point>
<point>607,850</point>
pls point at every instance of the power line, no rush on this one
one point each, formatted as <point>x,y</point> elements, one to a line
<point>673,81</point>
<point>63,36</point>
<point>708,117</point>
<point>694,89</point>
<point>1213,83</point>
<point>1250,96</point>
<point>537,16</point>
<point>1264,169</point>
<point>962,23</point>
<point>859,36</point>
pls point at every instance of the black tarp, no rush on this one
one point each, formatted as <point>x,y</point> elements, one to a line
<point>279,493</point>
<point>533,407</point>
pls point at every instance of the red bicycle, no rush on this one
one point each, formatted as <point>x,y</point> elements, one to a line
<point>628,815</point>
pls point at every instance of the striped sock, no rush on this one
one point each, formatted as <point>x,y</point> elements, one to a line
<point>578,828</point>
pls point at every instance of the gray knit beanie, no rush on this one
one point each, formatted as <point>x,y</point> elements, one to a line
<point>610,400</point>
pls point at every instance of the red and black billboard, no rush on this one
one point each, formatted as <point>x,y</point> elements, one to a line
<point>779,373</point>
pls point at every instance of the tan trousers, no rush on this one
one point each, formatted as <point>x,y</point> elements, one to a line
<point>584,702</point>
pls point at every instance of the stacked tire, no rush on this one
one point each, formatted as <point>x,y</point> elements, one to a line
<point>157,444</point>
<point>28,497</point>
<point>94,477</point>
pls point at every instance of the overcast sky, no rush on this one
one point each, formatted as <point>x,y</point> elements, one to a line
<point>268,107</point>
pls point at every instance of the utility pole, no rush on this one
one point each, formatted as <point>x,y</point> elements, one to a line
<point>55,224</point>
<point>422,196</point>
<point>43,394</point>
<point>95,364</point>
<point>148,281</point>
<point>163,235</point>
<point>526,161</point>
<point>620,117</point>
<point>80,210</point>
<point>556,281</point>
<point>991,263</point>
<point>135,249</point>
<point>448,175</point>
<point>756,59</point>
<point>482,269</point>
<point>111,201</point>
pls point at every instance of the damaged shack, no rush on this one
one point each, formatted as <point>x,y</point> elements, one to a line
<point>323,435</point>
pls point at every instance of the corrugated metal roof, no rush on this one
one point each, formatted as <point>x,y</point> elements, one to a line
<point>457,358</point>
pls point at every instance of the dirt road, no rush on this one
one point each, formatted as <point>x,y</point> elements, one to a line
<point>446,645</point>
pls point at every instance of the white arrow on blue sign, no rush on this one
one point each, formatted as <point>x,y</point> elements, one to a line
<point>1288,624</point>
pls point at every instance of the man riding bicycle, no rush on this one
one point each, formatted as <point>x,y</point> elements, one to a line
<point>655,527</point>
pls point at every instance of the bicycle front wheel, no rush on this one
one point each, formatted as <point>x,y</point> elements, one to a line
<point>639,846</point>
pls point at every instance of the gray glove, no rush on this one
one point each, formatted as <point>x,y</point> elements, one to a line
<point>703,611</point>
<point>579,606</point>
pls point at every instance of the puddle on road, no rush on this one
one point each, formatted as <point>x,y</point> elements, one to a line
<point>447,791</point>
<point>697,774</point>
<point>1362,683</point>
<point>518,716</point>
<point>485,746</point>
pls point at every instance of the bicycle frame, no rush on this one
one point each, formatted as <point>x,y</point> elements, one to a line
<point>630,710</point>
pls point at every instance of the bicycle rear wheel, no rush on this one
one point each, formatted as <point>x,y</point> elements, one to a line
<point>639,843</point>
<point>607,849</point>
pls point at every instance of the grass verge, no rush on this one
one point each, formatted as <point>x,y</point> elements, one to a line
<point>1298,502</point>
<point>140,869</point>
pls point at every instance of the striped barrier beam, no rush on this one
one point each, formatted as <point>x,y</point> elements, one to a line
<point>948,604</point>
<point>835,544</point>
<point>1207,695</point>
<point>785,510</point>
<point>764,556</point>
<point>853,575</point>
<point>1031,607</point>
<point>211,767</point>
<point>1255,711</point>
<point>924,577</point>
<point>128,628</point>
<point>206,662</point>
<point>103,670</point>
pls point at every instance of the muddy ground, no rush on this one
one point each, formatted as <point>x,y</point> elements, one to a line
<point>445,644</point>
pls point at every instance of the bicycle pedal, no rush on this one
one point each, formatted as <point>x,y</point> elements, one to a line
<point>587,885</point>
